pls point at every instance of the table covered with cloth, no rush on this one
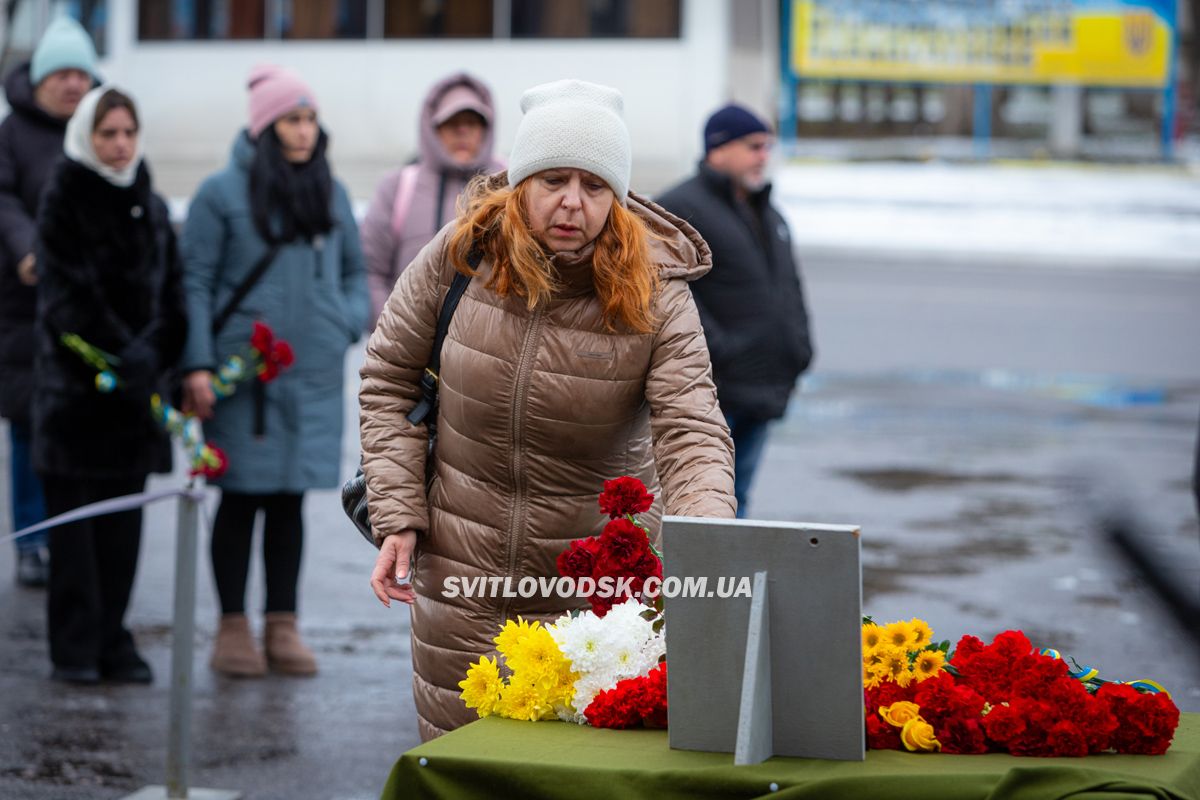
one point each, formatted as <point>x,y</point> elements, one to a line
<point>501,758</point>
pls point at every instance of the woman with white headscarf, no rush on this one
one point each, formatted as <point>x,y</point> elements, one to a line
<point>109,273</point>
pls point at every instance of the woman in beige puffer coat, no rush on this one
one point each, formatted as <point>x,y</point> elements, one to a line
<point>576,355</point>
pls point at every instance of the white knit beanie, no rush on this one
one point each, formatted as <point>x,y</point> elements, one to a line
<point>575,124</point>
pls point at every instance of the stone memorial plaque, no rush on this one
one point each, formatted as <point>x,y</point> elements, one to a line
<point>807,647</point>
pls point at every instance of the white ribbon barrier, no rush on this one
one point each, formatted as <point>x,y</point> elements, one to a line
<point>112,505</point>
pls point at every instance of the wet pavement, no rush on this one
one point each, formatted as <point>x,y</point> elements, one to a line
<point>952,413</point>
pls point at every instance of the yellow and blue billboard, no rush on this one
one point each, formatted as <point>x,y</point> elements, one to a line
<point>1086,42</point>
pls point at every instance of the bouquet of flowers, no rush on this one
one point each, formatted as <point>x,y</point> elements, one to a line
<point>602,667</point>
<point>268,356</point>
<point>205,457</point>
<point>585,669</point>
<point>1001,697</point>
<point>621,551</point>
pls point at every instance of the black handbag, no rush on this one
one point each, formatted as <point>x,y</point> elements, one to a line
<point>354,491</point>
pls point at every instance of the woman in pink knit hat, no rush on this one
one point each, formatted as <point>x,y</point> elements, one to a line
<point>271,238</point>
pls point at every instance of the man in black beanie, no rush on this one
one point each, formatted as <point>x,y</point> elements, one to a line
<point>751,303</point>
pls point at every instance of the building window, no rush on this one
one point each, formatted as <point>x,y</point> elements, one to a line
<point>323,19</point>
<point>26,21</point>
<point>200,19</point>
<point>160,20</point>
<point>451,19</point>
<point>595,19</point>
<point>92,15</point>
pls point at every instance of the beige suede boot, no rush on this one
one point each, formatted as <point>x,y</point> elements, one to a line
<point>286,652</point>
<point>235,652</point>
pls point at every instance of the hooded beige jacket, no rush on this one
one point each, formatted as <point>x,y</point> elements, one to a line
<point>536,409</point>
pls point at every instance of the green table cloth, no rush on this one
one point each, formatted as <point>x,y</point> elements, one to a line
<point>500,758</point>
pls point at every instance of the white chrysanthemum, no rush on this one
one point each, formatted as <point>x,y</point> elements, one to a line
<point>605,650</point>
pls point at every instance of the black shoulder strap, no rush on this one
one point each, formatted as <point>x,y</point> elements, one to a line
<point>243,288</point>
<point>429,379</point>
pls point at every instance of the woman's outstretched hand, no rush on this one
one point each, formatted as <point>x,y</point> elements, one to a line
<point>393,573</point>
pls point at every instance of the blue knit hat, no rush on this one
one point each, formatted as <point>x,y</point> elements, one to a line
<point>64,45</point>
<point>731,122</point>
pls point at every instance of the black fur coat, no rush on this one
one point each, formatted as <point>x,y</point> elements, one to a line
<point>109,271</point>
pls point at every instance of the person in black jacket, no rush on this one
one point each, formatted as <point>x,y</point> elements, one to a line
<point>110,273</point>
<point>43,95</point>
<point>751,303</point>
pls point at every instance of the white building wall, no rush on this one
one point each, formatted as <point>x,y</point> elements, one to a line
<point>193,100</point>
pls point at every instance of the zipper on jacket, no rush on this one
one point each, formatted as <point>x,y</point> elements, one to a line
<point>516,525</point>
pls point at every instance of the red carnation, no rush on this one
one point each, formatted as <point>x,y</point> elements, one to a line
<point>208,470</point>
<point>282,354</point>
<point>578,560</point>
<point>1146,723</point>
<point>885,694</point>
<point>1003,724</point>
<point>880,735</point>
<point>613,708</point>
<point>963,735</point>
<point>262,338</point>
<point>631,702</point>
<point>623,496</point>
<point>1065,739</point>
<point>622,546</point>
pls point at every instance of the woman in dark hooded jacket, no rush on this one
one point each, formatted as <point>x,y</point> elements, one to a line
<point>109,273</point>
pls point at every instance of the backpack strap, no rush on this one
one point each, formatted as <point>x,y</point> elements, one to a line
<point>239,294</point>
<point>405,190</point>
<point>429,378</point>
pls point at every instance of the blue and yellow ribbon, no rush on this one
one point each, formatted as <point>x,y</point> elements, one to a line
<point>1091,675</point>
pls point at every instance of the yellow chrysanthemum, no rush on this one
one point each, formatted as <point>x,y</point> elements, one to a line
<point>872,635</point>
<point>535,656</point>
<point>523,701</point>
<point>512,634</point>
<point>927,664</point>
<point>923,632</point>
<point>895,661</point>
<point>877,673</point>
<point>481,688</point>
<point>899,634</point>
<point>874,668</point>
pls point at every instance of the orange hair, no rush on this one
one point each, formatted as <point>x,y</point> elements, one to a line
<point>492,219</point>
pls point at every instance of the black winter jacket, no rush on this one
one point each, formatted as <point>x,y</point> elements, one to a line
<point>751,303</point>
<point>31,141</point>
<point>108,271</point>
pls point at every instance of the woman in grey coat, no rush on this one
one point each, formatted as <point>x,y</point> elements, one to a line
<point>275,204</point>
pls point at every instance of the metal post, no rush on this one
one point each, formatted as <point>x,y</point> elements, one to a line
<point>789,85</point>
<point>1170,94</point>
<point>179,721</point>
<point>1066,120</point>
<point>179,730</point>
<point>981,125</point>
